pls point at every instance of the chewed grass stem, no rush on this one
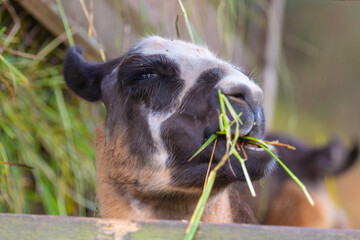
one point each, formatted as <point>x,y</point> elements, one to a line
<point>208,170</point>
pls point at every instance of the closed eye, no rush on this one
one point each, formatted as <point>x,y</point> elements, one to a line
<point>147,76</point>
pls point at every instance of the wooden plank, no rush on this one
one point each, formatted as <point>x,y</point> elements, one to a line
<point>31,227</point>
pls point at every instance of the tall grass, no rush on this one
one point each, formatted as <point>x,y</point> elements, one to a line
<point>45,127</point>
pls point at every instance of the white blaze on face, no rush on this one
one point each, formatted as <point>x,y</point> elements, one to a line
<point>154,121</point>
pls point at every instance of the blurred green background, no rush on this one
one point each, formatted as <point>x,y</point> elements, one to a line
<point>45,126</point>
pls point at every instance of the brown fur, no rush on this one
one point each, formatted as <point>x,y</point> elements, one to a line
<point>121,194</point>
<point>287,203</point>
<point>290,207</point>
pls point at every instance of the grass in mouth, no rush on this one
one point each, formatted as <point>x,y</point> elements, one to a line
<point>234,145</point>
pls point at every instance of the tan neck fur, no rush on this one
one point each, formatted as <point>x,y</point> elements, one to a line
<point>290,207</point>
<point>120,199</point>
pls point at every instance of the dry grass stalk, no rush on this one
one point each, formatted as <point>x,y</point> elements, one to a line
<point>16,26</point>
<point>22,54</point>
<point>15,164</point>
<point>89,14</point>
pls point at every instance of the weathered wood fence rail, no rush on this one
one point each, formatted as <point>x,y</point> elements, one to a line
<point>26,227</point>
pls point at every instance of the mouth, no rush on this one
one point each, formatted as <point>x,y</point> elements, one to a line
<point>253,147</point>
<point>243,142</point>
<point>252,127</point>
<point>257,159</point>
<point>250,130</point>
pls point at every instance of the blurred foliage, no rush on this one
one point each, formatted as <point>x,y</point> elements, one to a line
<point>319,71</point>
<point>37,127</point>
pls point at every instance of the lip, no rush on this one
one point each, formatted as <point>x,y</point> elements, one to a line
<point>253,147</point>
<point>257,160</point>
<point>243,131</point>
<point>247,145</point>
<point>249,132</point>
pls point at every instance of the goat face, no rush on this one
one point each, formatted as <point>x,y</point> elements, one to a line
<point>162,98</point>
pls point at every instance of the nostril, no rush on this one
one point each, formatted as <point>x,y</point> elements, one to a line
<point>239,96</point>
<point>252,97</point>
<point>240,88</point>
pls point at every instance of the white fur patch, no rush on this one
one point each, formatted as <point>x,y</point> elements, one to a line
<point>154,121</point>
<point>140,209</point>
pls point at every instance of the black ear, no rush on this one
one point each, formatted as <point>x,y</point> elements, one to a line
<point>335,158</point>
<point>350,159</point>
<point>84,77</point>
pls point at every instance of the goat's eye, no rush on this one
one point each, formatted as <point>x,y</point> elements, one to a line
<point>148,76</point>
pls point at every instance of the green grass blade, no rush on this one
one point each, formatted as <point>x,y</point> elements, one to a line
<point>246,174</point>
<point>195,219</point>
<point>223,110</point>
<point>231,110</point>
<point>238,116</point>
<point>13,69</point>
<point>235,139</point>
<point>7,129</point>
<point>256,140</point>
<point>221,123</point>
<point>188,25</point>
<point>210,140</point>
<point>65,22</point>
<point>291,174</point>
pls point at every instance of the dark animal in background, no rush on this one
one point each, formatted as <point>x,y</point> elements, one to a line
<point>288,205</point>
<point>162,104</point>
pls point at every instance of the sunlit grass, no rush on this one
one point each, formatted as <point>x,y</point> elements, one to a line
<point>65,22</point>
<point>41,126</point>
